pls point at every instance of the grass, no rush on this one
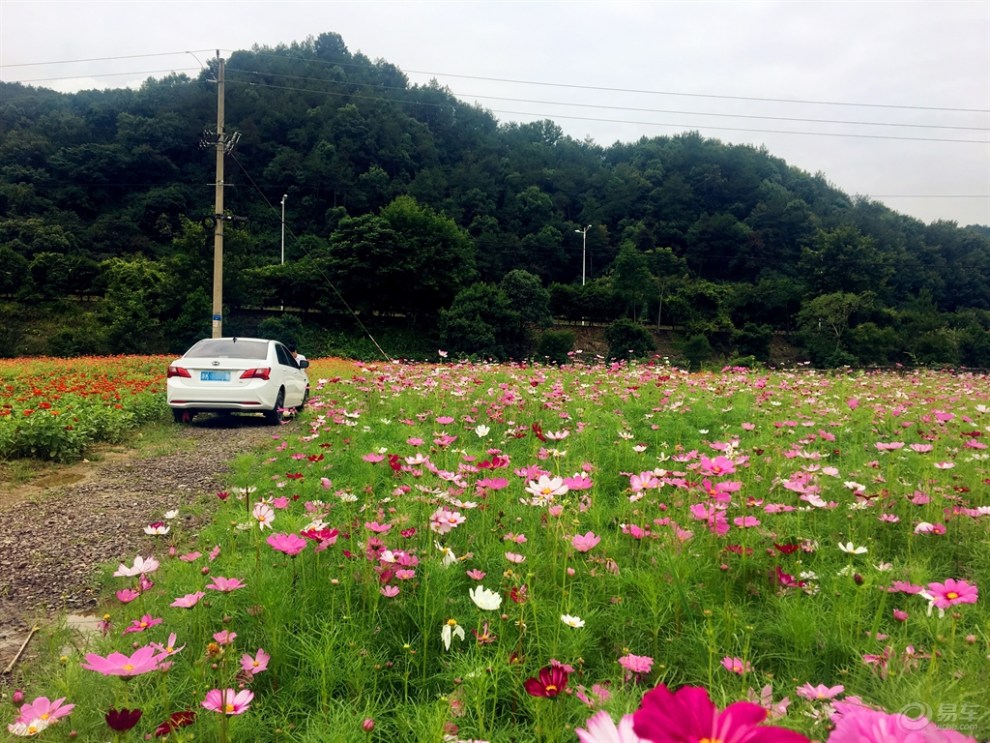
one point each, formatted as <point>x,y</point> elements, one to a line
<point>720,502</point>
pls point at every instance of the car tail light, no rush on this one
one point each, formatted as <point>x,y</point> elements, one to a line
<point>260,373</point>
<point>177,371</point>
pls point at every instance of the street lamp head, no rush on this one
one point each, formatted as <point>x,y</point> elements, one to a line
<point>284,197</point>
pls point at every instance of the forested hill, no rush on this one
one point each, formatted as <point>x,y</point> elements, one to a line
<point>401,200</point>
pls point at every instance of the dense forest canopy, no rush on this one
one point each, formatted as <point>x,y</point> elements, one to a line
<point>401,201</point>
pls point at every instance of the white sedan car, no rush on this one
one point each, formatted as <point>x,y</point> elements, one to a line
<point>237,375</point>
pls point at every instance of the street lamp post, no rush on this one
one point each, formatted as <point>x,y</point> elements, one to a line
<point>284,197</point>
<point>584,251</point>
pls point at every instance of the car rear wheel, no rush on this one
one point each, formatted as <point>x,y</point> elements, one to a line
<point>275,415</point>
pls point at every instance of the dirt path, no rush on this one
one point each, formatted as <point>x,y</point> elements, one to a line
<point>55,532</point>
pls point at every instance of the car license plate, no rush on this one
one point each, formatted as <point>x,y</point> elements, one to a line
<point>214,376</point>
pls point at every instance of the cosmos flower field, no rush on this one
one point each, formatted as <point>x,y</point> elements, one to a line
<point>460,552</point>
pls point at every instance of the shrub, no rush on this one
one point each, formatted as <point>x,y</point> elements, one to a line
<point>555,346</point>
<point>628,340</point>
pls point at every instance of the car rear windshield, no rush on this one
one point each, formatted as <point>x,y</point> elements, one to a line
<point>228,348</point>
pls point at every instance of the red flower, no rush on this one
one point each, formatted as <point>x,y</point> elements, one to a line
<point>122,720</point>
<point>551,682</point>
<point>175,721</point>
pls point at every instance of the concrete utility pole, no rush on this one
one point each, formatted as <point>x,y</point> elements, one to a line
<point>584,251</point>
<point>218,219</point>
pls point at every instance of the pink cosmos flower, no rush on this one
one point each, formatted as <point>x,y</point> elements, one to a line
<point>389,592</point>
<point>45,710</point>
<point>257,664</point>
<point>855,723</point>
<point>140,625</point>
<point>515,557</point>
<point>225,585</point>
<point>228,701</point>
<point>636,666</point>
<point>601,729</point>
<point>190,556</point>
<point>169,647</point>
<point>225,637</point>
<point>443,520</point>
<point>475,574</point>
<point>127,595</point>
<point>143,660</point>
<point>188,601</point>
<point>717,466</point>
<point>736,665</point>
<point>688,716</point>
<point>290,544</point>
<point>952,592</point>
<point>585,542</point>
<point>814,693</point>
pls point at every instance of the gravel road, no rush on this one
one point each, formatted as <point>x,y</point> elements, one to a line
<point>53,539</point>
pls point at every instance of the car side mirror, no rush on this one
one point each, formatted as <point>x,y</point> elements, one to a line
<point>303,364</point>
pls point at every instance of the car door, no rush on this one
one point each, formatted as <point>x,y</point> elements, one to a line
<point>293,377</point>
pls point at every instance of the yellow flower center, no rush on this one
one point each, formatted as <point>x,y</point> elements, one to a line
<point>452,622</point>
<point>551,687</point>
<point>128,667</point>
<point>952,595</point>
<point>228,708</point>
<point>709,740</point>
<point>255,663</point>
<point>43,715</point>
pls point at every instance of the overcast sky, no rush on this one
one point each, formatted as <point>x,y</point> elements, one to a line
<point>889,100</point>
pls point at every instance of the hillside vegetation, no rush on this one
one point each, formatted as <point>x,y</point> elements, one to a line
<point>422,221</point>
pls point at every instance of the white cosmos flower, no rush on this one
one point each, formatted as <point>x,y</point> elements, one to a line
<point>264,515</point>
<point>485,599</point>
<point>850,549</point>
<point>482,430</point>
<point>570,621</point>
<point>545,489</point>
<point>141,566</point>
<point>169,515</point>
<point>450,630</point>
<point>449,558</point>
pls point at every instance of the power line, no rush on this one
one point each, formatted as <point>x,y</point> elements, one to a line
<point>640,110</point>
<point>627,121</point>
<point>761,99</point>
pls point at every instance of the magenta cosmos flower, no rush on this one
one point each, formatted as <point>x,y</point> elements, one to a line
<point>952,592</point>
<point>688,716</point>
<point>143,660</point>
<point>228,701</point>
<point>290,544</point>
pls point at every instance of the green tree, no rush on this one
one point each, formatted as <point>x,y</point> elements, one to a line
<point>628,340</point>
<point>482,323</point>
<point>632,282</point>
<point>844,260</point>
<point>823,323</point>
